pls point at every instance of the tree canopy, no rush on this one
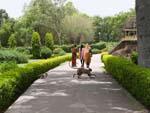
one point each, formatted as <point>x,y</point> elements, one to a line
<point>63,21</point>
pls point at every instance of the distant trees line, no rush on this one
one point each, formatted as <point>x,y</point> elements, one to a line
<point>111,28</point>
<point>62,20</point>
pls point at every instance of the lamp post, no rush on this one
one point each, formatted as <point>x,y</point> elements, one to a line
<point>99,34</point>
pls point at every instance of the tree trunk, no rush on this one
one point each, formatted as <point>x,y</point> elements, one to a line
<point>59,38</point>
<point>143,31</point>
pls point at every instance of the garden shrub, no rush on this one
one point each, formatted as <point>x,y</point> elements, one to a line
<point>100,45</point>
<point>46,52</point>
<point>12,55</point>
<point>134,57</point>
<point>104,50</point>
<point>57,46</point>
<point>1,45</point>
<point>111,45</point>
<point>36,45</point>
<point>134,78</point>
<point>23,50</point>
<point>6,66</point>
<point>95,51</point>
<point>59,51</point>
<point>12,41</point>
<point>66,48</point>
<point>14,82</point>
<point>49,41</point>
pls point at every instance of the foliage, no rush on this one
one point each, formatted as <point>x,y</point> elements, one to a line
<point>110,45</point>
<point>77,28</point>
<point>14,82</point>
<point>22,33</point>
<point>23,50</point>
<point>0,45</point>
<point>110,28</point>
<point>66,48</point>
<point>70,9</point>
<point>12,41</point>
<point>134,57</point>
<point>5,32</point>
<point>46,52</point>
<point>49,41</point>
<point>134,78</point>
<point>95,51</point>
<point>3,16</point>
<point>36,45</point>
<point>52,12</point>
<point>12,55</point>
<point>7,66</point>
<point>99,46</point>
<point>59,51</point>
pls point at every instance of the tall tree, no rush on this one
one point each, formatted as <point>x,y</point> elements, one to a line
<point>70,9</point>
<point>58,16</point>
<point>46,16</point>
<point>3,16</point>
<point>110,28</point>
<point>5,31</point>
<point>143,31</point>
<point>78,28</point>
<point>38,16</point>
<point>36,45</point>
<point>49,42</point>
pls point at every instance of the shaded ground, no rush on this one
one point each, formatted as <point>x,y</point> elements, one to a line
<point>60,93</point>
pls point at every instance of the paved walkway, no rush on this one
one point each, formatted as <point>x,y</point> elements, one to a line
<point>60,93</point>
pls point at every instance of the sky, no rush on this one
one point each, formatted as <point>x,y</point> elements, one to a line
<point>91,7</point>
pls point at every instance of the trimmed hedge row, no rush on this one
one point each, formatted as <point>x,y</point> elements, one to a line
<point>96,51</point>
<point>14,82</point>
<point>66,48</point>
<point>134,57</point>
<point>12,55</point>
<point>99,46</point>
<point>134,78</point>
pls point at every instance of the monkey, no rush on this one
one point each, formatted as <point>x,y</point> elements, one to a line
<point>82,70</point>
<point>43,75</point>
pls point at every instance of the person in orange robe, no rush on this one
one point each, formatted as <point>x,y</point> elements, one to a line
<point>74,55</point>
<point>87,55</point>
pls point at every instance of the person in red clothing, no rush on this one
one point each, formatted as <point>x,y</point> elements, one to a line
<point>74,55</point>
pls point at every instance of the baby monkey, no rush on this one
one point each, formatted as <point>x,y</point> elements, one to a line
<point>43,75</point>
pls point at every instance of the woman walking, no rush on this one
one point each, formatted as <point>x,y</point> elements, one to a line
<point>74,55</point>
<point>81,53</point>
<point>87,55</point>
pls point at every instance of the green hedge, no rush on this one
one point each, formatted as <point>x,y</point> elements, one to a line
<point>99,46</point>
<point>96,51</point>
<point>66,48</point>
<point>59,52</point>
<point>134,78</point>
<point>134,57</point>
<point>6,66</point>
<point>12,55</point>
<point>24,50</point>
<point>46,52</point>
<point>14,82</point>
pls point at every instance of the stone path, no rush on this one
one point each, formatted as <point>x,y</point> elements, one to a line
<point>60,93</point>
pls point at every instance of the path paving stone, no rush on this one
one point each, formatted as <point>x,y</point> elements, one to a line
<point>60,93</point>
